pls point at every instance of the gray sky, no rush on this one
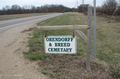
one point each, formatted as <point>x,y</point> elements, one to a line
<point>68,3</point>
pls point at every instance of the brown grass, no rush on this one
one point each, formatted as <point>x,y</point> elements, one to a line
<point>73,67</point>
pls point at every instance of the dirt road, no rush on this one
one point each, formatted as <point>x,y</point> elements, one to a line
<point>12,63</point>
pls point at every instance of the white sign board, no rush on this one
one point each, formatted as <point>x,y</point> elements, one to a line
<point>60,44</point>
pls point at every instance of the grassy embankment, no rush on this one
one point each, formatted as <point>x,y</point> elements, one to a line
<point>16,16</point>
<point>108,40</point>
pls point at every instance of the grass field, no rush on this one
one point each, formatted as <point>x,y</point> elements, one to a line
<point>15,16</point>
<point>108,42</point>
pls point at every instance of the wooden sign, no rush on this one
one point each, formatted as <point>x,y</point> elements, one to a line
<point>60,44</point>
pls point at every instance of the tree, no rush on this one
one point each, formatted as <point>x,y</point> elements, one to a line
<point>33,9</point>
<point>83,7</point>
<point>15,9</point>
<point>109,6</point>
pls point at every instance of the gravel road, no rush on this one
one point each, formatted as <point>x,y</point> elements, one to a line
<point>7,24</point>
<point>12,44</point>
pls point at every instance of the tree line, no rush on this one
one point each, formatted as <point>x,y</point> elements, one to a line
<point>16,9</point>
<point>108,7</point>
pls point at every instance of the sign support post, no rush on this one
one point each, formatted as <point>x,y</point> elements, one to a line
<point>70,27</point>
<point>89,37</point>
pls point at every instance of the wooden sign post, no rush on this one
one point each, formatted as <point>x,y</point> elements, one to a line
<point>89,37</point>
<point>77,28</point>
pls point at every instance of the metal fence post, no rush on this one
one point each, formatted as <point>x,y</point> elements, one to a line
<point>94,29</point>
<point>89,37</point>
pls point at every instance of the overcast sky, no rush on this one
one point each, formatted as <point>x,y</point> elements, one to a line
<point>68,3</point>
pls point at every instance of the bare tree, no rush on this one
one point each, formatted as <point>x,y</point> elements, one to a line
<point>16,9</point>
<point>83,7</point>
<point>33,9</point>
<point>109,6</point>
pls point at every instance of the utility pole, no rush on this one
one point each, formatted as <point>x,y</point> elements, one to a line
<point>83,5</point>
<point>82,1</point>
<point>74,8</point>
<point>77,5</point>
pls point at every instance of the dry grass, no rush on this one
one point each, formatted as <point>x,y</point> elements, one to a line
<point>15,16</point>
<point>73,66</point>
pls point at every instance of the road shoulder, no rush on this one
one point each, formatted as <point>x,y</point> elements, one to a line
<point>13,65</point>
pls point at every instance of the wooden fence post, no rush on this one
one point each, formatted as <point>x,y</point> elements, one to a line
<point>89,37</point>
